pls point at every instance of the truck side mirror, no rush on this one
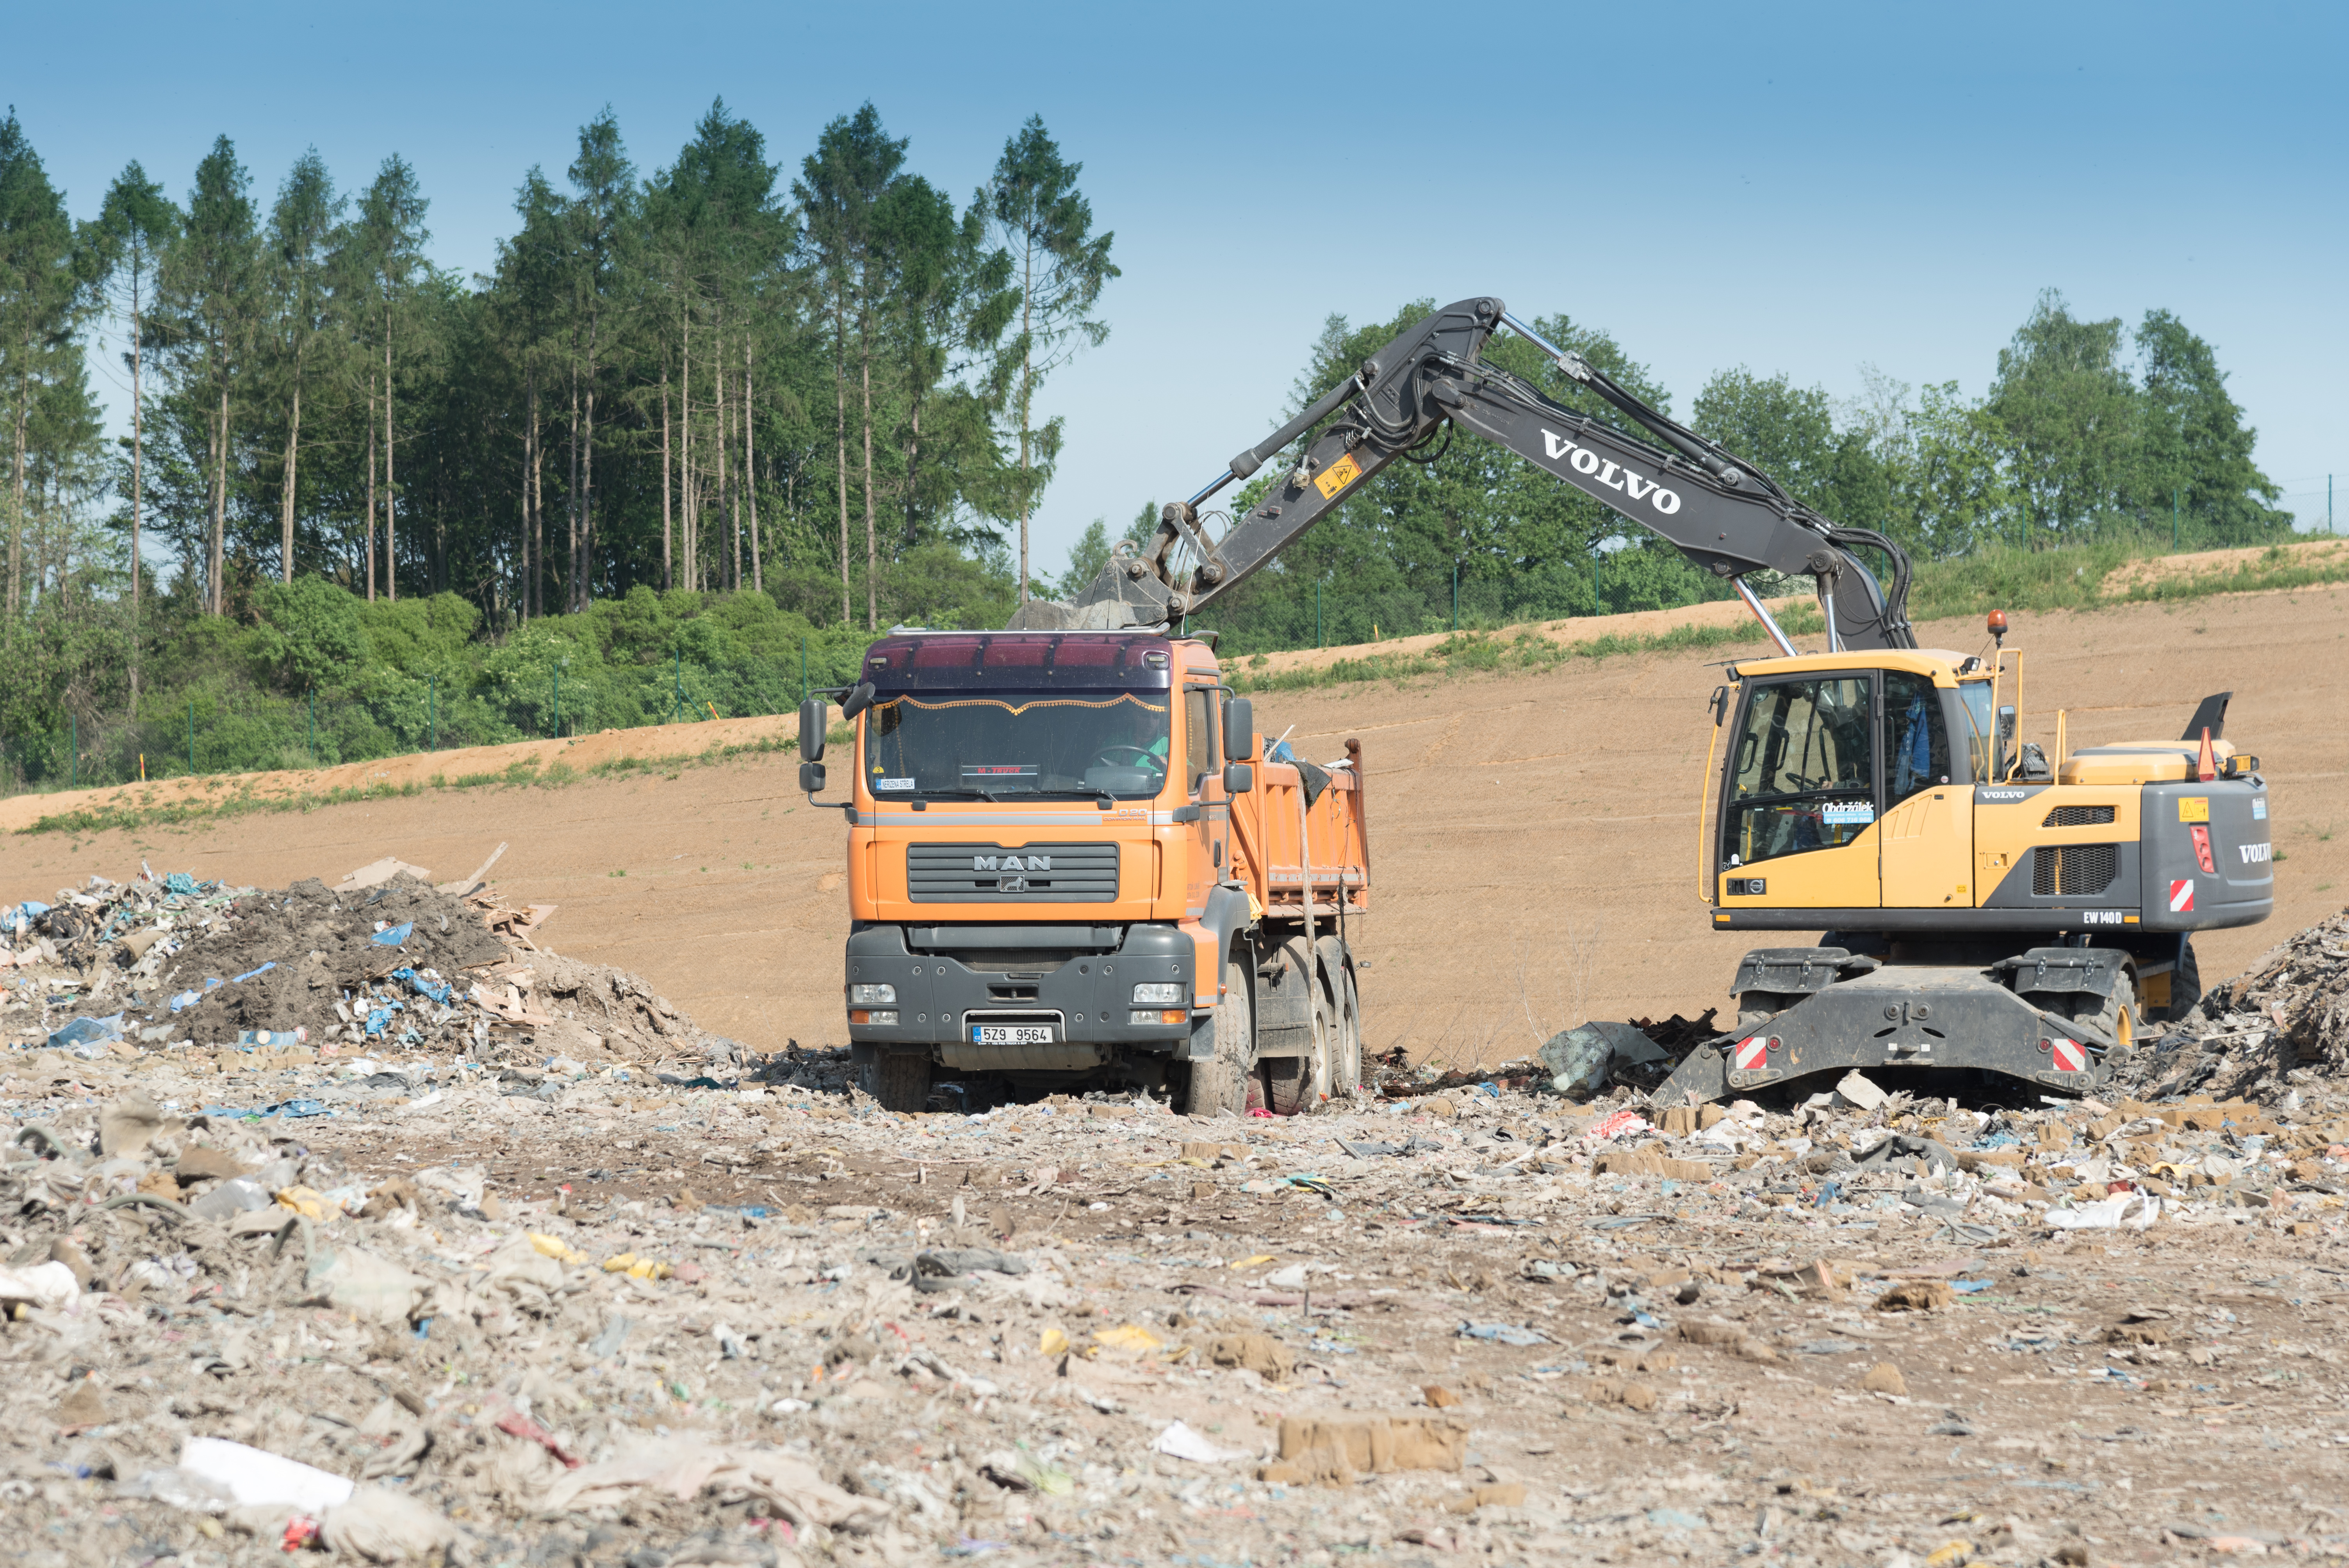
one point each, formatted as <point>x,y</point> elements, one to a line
<point>811,778</point>
<point>1239,731</point>
<point>857,701</point>
<point>1720,704</point>
<point>1240,778</point>
<point>2005,747</point>
<point>813,714</point>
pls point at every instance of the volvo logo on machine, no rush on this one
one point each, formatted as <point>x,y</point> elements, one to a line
<point>2253,853</point>
<point>1611,474</point>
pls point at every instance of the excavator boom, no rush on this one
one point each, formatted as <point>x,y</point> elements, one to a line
<point>1719,511</point>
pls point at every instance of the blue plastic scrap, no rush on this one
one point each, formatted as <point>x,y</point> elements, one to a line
<point>180,883</point>
<point>186,999</point>
<point>378,1016</point>
<point>86,1029</point>
<point>1503,1334</point>
<point>251,972</point>
<point>435,989</point>
<point>395,935</point>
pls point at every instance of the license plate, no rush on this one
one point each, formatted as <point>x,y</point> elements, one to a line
<point>1011,1033</point>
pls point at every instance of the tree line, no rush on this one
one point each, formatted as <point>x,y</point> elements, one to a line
<point>730,417</point>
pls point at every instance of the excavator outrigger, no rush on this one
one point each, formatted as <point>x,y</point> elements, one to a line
<point>1983,909</point>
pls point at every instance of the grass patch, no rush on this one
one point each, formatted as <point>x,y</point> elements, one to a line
<point>142,811</point>
<point>1523,653</point>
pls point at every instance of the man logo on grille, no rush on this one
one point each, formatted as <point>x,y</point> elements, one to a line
<point>1011,863</point>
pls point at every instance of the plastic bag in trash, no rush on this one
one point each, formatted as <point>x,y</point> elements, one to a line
<point>353,1280</point>
<point>89,1031</point>
<point>257,1478</point>
<point>393,937</point>
<point>49,1286</point>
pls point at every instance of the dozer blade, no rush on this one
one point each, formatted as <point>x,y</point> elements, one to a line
<point>1902,1015</point>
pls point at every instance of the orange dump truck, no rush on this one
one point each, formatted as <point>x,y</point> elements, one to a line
<point>1070,862</point>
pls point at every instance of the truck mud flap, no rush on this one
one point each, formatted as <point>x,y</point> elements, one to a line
<point>1870,1024</point>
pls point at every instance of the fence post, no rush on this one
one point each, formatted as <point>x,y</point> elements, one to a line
<point>432,713</point>
<point>314,727</point>
<point>558,703</point>
<point>677,706</point>
<point>74,763</point>
<point>192,737</point>
<point>1317,611</point>
<point>2173,519</point>
<point>1455,597</point>
<point>802,667</point>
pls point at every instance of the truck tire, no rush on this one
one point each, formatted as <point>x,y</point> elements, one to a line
<point>1346,1032</point>
<point>1295,1085</point>
<point>900,1080</point>
<point>1221,1084</point>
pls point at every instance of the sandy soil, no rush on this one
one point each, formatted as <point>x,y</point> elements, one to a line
<point>1534,837</point>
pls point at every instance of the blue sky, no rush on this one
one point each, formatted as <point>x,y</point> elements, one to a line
<point>1798,188</point>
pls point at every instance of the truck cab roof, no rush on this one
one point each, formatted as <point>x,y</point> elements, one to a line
<point>921,661</point>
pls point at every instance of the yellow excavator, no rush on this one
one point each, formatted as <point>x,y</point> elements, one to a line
<point>1982,907</point>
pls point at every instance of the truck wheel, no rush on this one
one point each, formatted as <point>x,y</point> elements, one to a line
<point>900,1080</point>
<point>1221,1084</point>
<point>1758,1007</point>
<point>1294,1085</point>
<point>1346,1035</point>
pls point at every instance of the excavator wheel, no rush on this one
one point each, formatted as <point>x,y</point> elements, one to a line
<point>1222,1084</point>
<point>2185,984</point>
<point>1757,1007</point>
<point>2114,1014</point>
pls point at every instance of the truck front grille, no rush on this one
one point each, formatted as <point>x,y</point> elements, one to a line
<point>1032,873</point>
<point>2074,870</point>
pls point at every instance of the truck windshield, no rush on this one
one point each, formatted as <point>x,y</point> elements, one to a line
<point>991,744</point>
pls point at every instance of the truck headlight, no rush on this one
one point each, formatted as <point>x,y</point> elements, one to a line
<point>1158,993</point>
<point>868,995</point>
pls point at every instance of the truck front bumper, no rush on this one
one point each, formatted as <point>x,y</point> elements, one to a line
<point>1085,999</point>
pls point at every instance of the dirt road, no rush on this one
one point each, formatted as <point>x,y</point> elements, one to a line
<point>1534,837</point>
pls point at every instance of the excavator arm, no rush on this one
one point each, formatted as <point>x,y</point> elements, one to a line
<point>1721,512</point>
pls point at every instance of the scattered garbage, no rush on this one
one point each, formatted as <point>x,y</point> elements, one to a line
<point>539,1263</point>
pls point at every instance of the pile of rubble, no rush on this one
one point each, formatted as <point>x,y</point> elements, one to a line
<point>2257,1033</point>
<point>384,962</point>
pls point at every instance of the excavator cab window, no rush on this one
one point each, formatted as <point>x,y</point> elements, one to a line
<point>1916,737</point>
<point>1981,728</point>
<point>1803,776</point>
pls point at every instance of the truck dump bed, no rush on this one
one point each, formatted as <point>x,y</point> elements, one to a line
<point>1300,841</point>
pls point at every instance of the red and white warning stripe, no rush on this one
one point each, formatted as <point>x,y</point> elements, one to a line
<point>2070,1058</point>
<point>2181,895</point>
<point>1754,1052</point>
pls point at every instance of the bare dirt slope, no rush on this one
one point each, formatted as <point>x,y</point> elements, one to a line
<point>1534,837</point>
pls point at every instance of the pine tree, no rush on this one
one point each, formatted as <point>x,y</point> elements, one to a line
<point>134,230</point>
<point>40,299</point>
<point>209,284</point>
<point>1058,266</point>
<point>302,234</point>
